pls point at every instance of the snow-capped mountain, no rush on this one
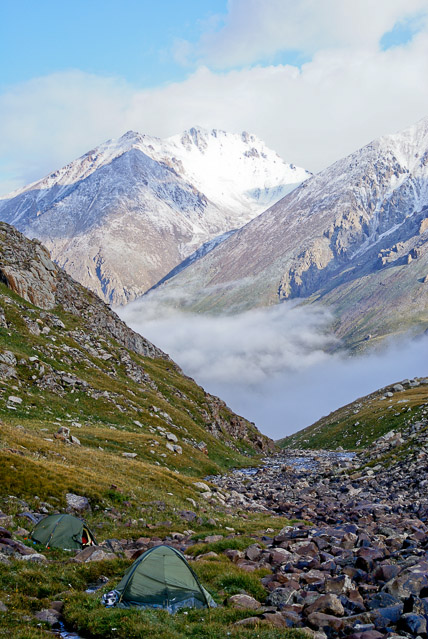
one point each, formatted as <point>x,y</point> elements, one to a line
<point>122,216</point>
<point>355,236</point>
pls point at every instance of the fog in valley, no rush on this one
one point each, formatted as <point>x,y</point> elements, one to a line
<point>274,366</point>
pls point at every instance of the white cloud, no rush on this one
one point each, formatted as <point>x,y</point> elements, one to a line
<point>272,365</point>
<point>48,121</point>
<point>251,347</point>
<point>253,30</point>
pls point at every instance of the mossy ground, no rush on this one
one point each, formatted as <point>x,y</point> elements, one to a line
<point>26,588</point>
<point>358,424</point>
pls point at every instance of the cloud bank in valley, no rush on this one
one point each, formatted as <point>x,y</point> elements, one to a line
<point>273,365</point>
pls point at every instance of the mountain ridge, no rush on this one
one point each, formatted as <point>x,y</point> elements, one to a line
<point>123,215</point>
<point>343,224</point>
<point>384,416</point>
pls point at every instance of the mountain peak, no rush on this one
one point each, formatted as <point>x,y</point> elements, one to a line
<point>200,137</point>
<point>137,193</point>
<point>131,135</point>
<point>408,143</point>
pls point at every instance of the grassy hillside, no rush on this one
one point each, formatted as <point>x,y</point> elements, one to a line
<point>67,378</point>
<point>358,424</point>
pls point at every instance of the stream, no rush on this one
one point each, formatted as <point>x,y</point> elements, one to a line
<point>310,461</point>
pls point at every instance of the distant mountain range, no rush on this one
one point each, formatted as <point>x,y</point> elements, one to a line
<point>221,223</point>
<point>353,237</point>
<point>122,216</point>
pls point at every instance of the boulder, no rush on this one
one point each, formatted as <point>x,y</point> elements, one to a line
<point>249,621</point>
<point>77,503</point>
<point>342,584</point>
<point>243,602</point>
<point>211,539</point>
<point>409,582</point>
<point>327,622</point>
<point>188,515</point>
<point>329,604</point>
<point>280,556</point>
<point>50,616</point>
<point>201,486</point>
<point>281,597</point>
<point>386,572</point>
<point>415,625</point>
<point>63,432</point>
<point>247,565</point>
<point>93,553</point>
<point>275,619</point>
<point>381,600</point>
<point>33,557</point>
<point>15,546</point>
<point>253,552</point>
<point>206,555</point>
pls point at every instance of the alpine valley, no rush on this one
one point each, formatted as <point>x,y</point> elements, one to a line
<point>323,534</point>
<point>122,216</point>
<point>98,422</point>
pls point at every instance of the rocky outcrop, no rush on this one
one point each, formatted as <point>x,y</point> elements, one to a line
<point>32,275</point>
<point>26,268</point>
<point>307,270</point>
<point>423,226</point>
<point>221,420</point>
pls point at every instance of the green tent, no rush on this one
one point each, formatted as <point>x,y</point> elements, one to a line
<point>161,578</point>
<point>63,531</point>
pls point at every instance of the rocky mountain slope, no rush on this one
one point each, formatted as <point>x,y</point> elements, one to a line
<point>354,237</point>
<point>389,418</point>
<point>122,216</point>
<point>80,391</point>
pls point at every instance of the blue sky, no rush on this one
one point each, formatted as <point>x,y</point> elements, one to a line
<point>136,40</point>
<point>315,79</point>
<point>133,39</point>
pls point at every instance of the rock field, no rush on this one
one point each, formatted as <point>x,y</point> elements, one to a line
<point>359,569</point>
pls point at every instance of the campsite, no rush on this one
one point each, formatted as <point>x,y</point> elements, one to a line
<point>65,589</point>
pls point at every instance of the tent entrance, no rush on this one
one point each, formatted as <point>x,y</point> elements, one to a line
<point>87,538</point>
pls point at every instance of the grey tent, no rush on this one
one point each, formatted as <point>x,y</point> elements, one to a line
<point>160,578</point>
<point>63,531</point>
